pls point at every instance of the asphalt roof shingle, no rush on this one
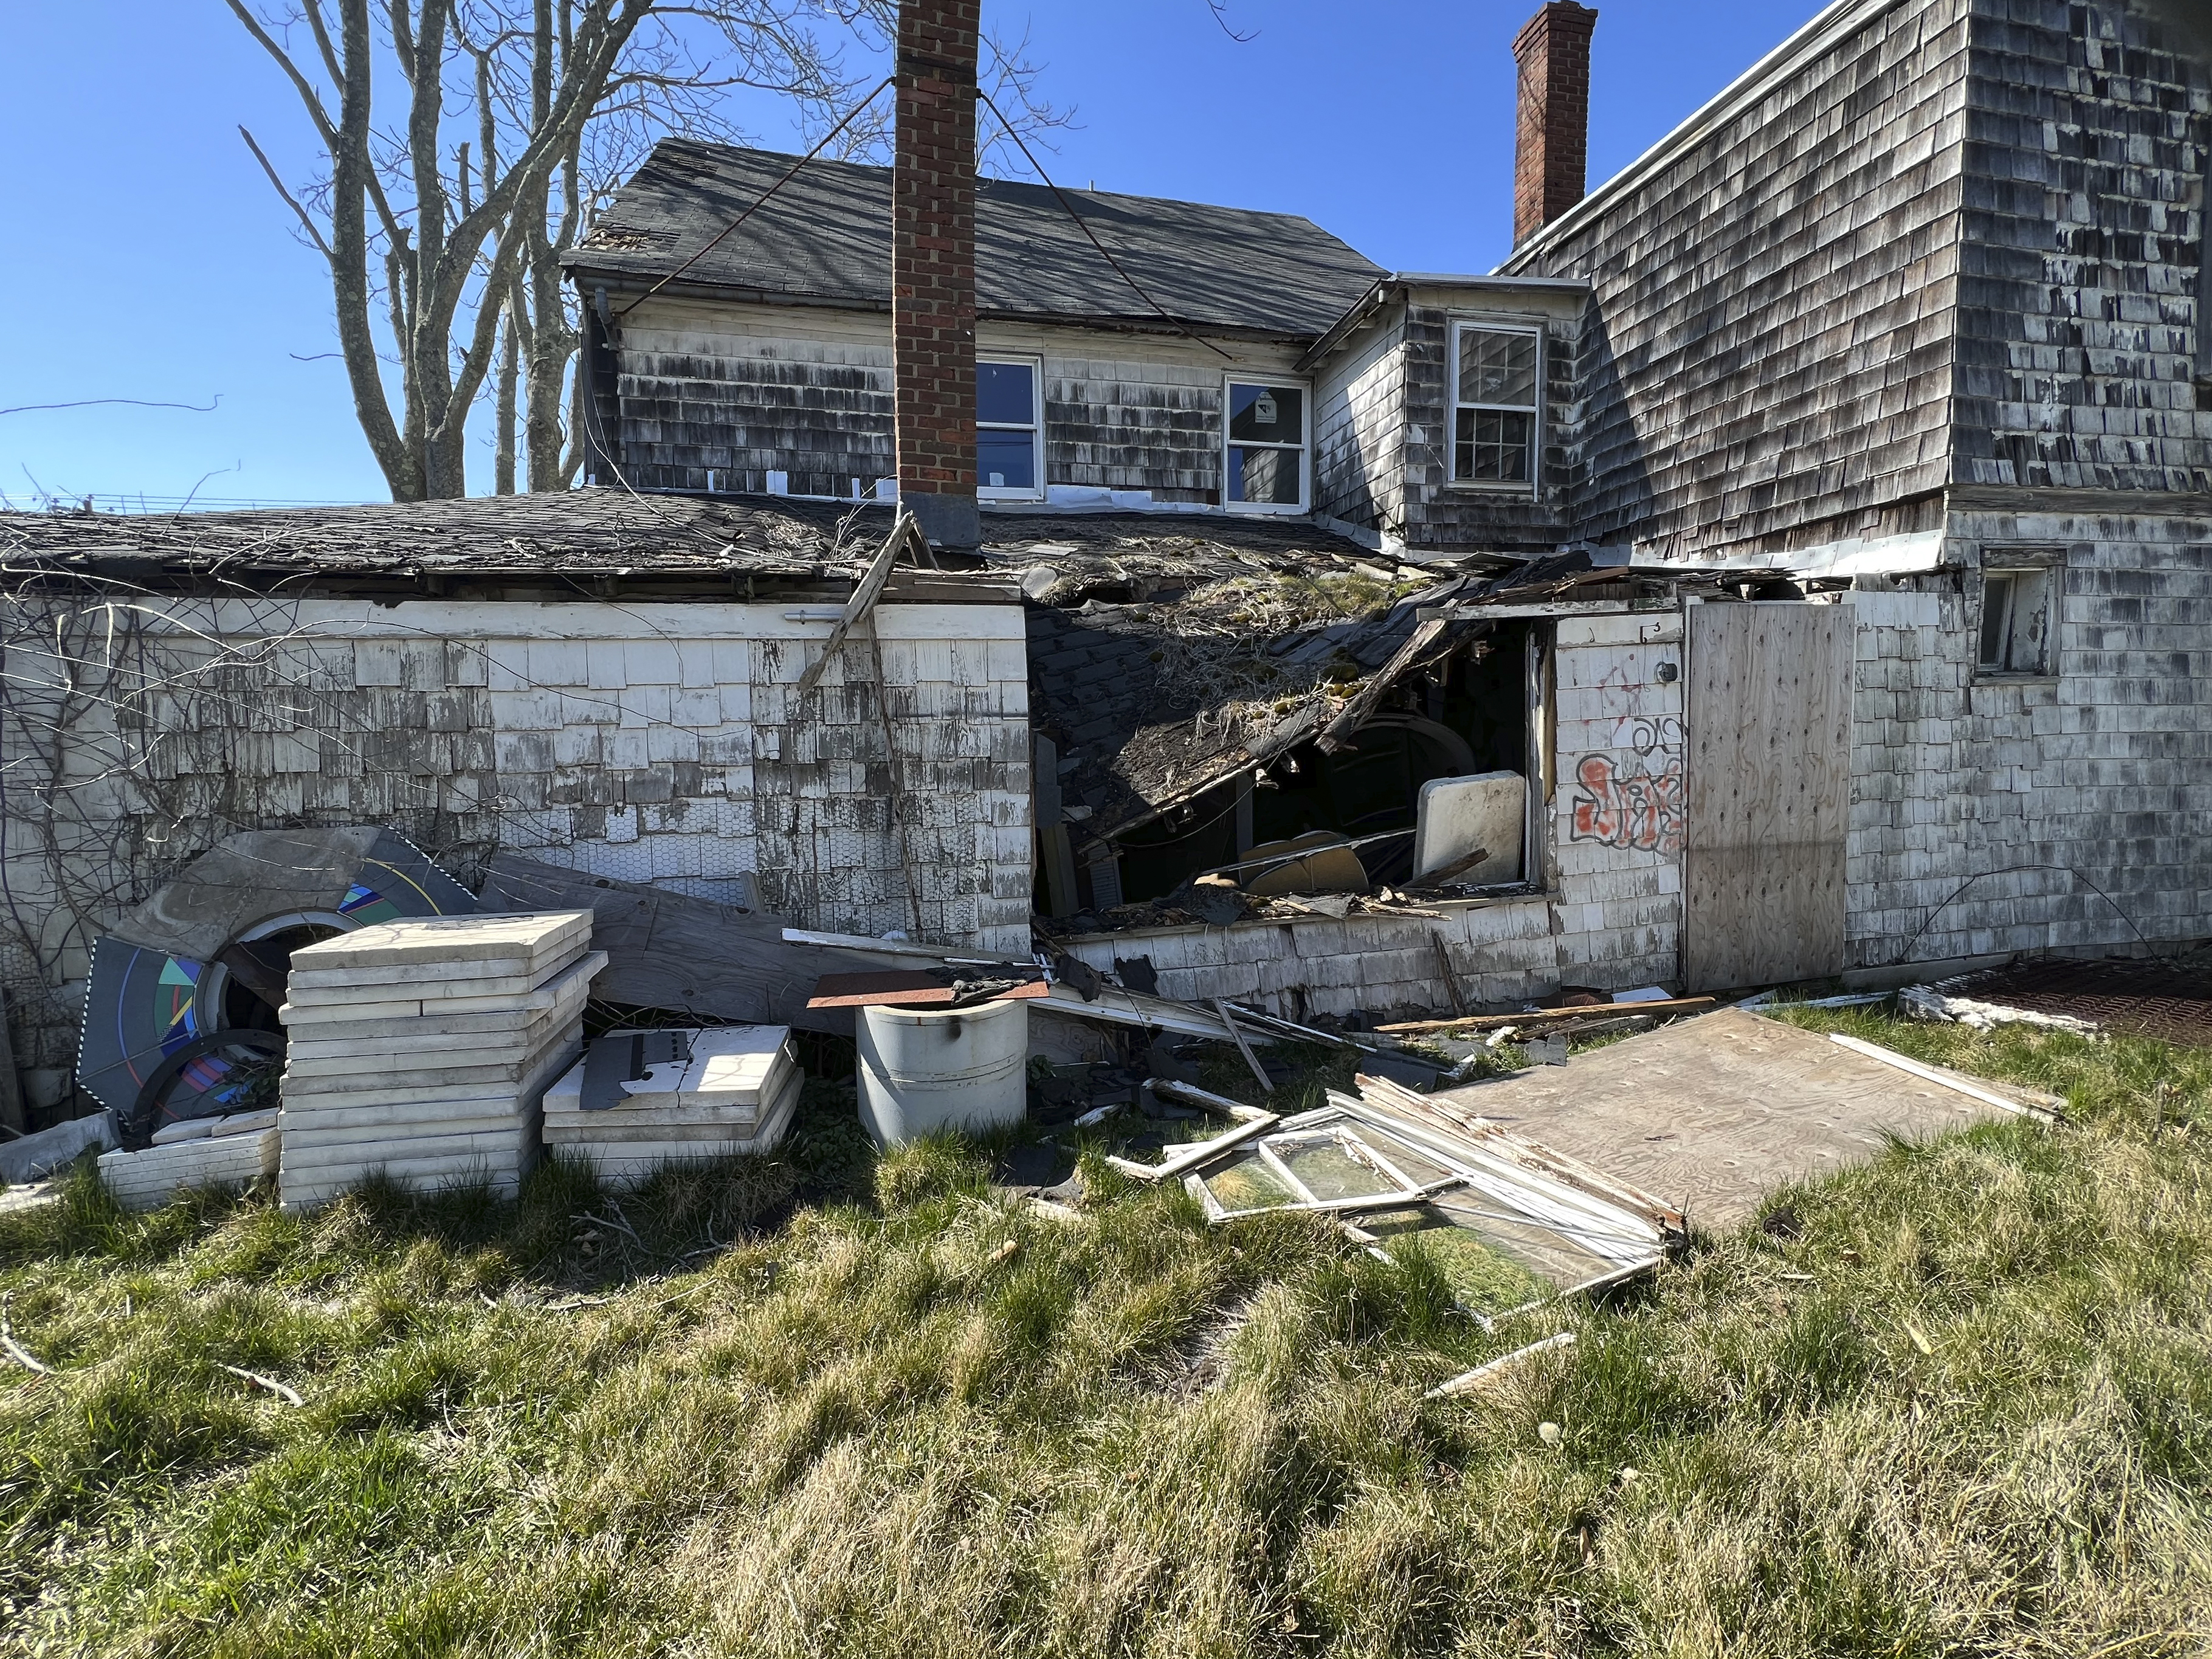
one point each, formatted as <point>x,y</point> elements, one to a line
<point>826,237</point>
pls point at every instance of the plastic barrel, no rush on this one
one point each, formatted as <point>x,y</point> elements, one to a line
<point>923,1070</point>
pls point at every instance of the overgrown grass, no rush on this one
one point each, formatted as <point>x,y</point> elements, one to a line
<point>1956,1401</point>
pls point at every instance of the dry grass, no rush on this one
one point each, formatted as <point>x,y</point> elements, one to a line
<point>1957,1401</point>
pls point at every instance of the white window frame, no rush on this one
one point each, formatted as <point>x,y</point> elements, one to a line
<point>1304,445</point>
<point>1533,487</point>
<point>1035,429</point>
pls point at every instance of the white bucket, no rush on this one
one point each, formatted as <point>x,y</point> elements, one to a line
<point>922,1070</point>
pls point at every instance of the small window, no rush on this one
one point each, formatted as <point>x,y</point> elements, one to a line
<point>1494,405</point>
<point>2015,621</point>
<point>1265,468</point>
<point>1009,451</point>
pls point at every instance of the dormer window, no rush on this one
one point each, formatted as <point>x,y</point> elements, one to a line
<point>1495,408</point>
<point>1009,438</point>
<point>1264,470</point>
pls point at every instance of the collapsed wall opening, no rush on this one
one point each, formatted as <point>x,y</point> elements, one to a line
<point>1344,812</point>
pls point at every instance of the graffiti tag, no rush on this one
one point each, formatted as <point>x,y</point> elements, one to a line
<point>1664,731</point>
<point>1628,806</point>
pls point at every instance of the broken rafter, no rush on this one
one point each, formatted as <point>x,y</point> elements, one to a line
<point>1191,1095</point>
<point>1432,637</point>
<point>865,594</point>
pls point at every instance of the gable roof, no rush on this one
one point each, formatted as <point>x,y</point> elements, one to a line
<point>825,238</point>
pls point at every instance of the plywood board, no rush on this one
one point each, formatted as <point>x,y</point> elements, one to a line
<point>1769,786</point>
<point>1715,1113</point>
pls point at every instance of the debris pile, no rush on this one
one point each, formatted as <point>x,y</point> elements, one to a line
<point>641,1099</point>
<point>420,1048</point>
<point>207,1151</point>
<point>1511,1221</point>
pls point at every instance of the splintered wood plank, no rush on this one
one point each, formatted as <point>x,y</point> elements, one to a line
<point>1715,1113</point>
<point>1769,792</point>
<point>893,988</point>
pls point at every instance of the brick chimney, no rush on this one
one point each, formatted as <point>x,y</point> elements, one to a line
<point>933,267</point>
<point>1552,135</point>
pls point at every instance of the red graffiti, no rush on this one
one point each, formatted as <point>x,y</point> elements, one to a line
<point>1628,808</point>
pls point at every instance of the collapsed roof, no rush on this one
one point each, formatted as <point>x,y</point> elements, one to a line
<point>1169,653</point>
<point>824,237</point>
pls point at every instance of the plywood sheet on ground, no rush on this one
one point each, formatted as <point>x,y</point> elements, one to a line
<point>1715,1113</point>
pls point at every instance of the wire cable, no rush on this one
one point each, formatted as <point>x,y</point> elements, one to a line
<point>1079,224</point>
<point>1905,956</point>
<point>790,173</point>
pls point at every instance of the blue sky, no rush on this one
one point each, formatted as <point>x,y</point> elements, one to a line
<point>148,257</point>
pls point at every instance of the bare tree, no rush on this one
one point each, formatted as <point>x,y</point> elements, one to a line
<point>466,144</point>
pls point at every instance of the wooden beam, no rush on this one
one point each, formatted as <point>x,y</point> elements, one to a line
<point>1267,1084</point>
<point>2045,1106</point>
<point>1189,1158</point>
<point>865,594</point>
<point>1547,1016</point>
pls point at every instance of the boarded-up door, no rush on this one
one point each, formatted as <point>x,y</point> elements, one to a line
<point>1770,715</point>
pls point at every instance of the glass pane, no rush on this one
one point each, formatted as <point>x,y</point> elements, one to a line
<point>1268,476</point>
<point>1496,368</point>
<point>1492,446</point>
<point>1329,1171</point>
<point>1996,601</point>
<point>1248,1184</point>
<point>1006,460</point>
<point>1267,414</point>
<point>1005,393</point>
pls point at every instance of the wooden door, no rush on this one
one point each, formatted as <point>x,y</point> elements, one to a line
<point>1769,708</point>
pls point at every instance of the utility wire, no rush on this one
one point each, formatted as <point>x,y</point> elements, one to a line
<point>791,172</point>
<point>1905,955</point>
<point>1118,270</point>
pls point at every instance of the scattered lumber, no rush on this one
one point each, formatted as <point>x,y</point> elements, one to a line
<point>1191,1095</point>
<point>1186,1159</point>
<point>1590,1011</point>
<point>2036,1103</point>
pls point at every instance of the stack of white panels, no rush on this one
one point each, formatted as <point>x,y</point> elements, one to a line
<point>207,1151</point>
<point>642,1099</point>
<point>420,1049</point>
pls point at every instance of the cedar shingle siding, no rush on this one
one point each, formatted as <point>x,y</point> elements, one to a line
<point>1769,346</point>
<point>2083,234</point>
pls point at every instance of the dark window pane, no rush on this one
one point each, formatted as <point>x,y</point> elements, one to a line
<point>1005,393</point>
<point>1996,601</point>
<point>1496,368</point>
<point>1006,460</point>
<point>1492,446</point>
<point>1267,476</point>
<point>1267,414</point>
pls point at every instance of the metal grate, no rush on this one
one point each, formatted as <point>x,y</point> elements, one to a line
<point>2170,1001</point>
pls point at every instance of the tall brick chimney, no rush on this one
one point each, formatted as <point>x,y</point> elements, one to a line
<point>933,267</point>
<point>1551,139</point>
